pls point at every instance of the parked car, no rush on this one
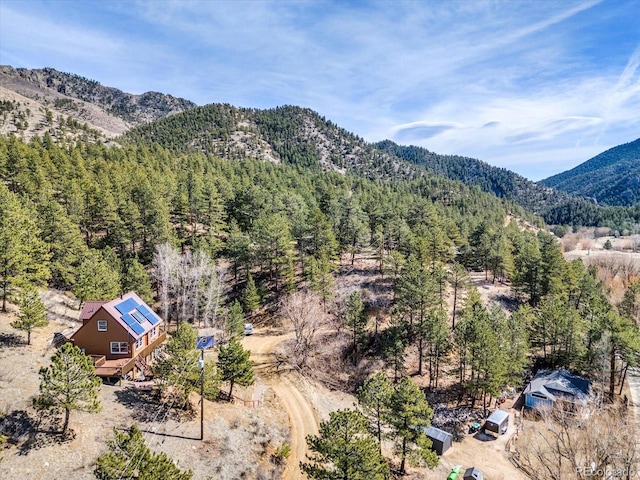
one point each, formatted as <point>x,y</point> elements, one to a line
<point>248,328</point>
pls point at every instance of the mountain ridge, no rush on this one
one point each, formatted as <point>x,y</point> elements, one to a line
<point>42,100</point>
<point>67,106</point>
<point>617,171</point>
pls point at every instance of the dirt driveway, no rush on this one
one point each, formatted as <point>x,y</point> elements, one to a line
<point>302,416</point>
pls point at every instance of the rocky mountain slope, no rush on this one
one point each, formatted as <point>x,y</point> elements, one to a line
<point>286,134</point>
<point>33,102</point>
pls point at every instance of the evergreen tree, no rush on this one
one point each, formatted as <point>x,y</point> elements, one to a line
<point>135,278</point>
<point>32,312</point>
<point>458,279</point>
<point>129,457</point>
<point>416,297</point>
<point>238,247</point>
<point>355,320</point>
<point>408,415</point>
<point>437,340</point>
<point>374,396</point>
<point>234,365</point>
<point>272,239</point>
<point>68,384</point>
<point>179,372</point>
<point>65,242</point>
<point>250,296</point>
<point>235,320</point>
<point>23,255</point>
<point>289,275</point>
<point>97,280</point>
<point>321,276</point>
<point>344,449</point>
<point>394,344</point>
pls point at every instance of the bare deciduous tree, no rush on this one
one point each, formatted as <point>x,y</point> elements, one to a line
<point>580,443</point>
<point>189,285</point>
<point>304,309</point>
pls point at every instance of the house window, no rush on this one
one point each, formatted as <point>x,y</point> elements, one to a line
<point>119,347</point>
<point>102,325</point>
<point>154,333</point>
<point>139,343</point>
<point>539,395</point>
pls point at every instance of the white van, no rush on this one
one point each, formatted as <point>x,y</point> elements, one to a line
<point>248,328</point>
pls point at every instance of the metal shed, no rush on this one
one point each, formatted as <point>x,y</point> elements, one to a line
<point>442,440</point>
<point>472,473</point>
<point>497,422</point>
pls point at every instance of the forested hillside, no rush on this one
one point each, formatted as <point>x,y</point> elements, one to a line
<point>611,178</point>
<point>552,204</point>
<point>292,135</point>
<point>122,202</point>
<point>74,214</point>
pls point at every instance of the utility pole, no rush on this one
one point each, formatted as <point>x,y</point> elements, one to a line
<point>201,363</point>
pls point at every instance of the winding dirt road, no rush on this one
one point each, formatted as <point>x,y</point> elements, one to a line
<point>302,416</point>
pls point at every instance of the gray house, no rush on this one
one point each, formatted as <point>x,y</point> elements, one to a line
<point>551,385</point>
<point>441,440</point>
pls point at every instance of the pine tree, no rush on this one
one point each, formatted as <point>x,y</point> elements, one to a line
<point>374,396</point>
<point>235,320</point>
<point>344,449</point>
<point>179,373</point>
<point>129,457</point>
<point>408,414</point>
<point>234,365</point>
<point>32,312</point>
<point>355,319</point>
<point>23,255</point>
<point>289,274</point>
<point>394,344</point>
<point>250,296</point>
<point>68,384</point>
<point>97,280</point>
<point>416,297</point>
<point>135,278</point>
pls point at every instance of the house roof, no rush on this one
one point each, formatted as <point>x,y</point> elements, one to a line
<point>498,417</point>
<point>437,434</point>
<point>90,307</point>
<point>473,473</point>
<point>559,383</point>
<point>132,313</point>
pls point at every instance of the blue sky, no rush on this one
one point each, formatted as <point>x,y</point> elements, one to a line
<point>533,86</point>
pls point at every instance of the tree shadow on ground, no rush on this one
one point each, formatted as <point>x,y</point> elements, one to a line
<point>148,406</point>
<point>11,340</point>
<point>507,302</point>
<point>29,432</point>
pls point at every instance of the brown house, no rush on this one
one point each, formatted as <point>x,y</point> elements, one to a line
<point>121,335</point>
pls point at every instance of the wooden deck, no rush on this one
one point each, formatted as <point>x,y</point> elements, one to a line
<point>119,368</point>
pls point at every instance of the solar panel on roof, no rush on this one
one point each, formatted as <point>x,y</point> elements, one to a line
<point>148,314</point>
<point>136,327</point>
<point>128,319</point>
<point>126,306</point>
